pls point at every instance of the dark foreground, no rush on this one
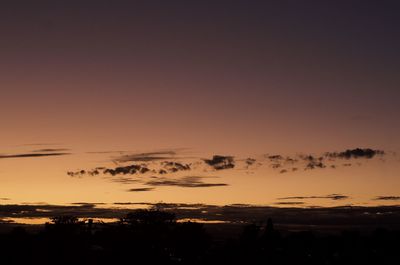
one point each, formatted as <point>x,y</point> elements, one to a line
<point>154,237</point>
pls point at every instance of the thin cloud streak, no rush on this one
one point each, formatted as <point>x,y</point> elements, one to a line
<point>330,196</point>
<point>27,155</point>
<point>140,189</point>
<point>185,182</point>
<point>387,198</point>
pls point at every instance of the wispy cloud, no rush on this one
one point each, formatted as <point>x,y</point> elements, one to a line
<point>186,182</point>
<point>387,198</point>
<point>51,150</point>
<point>146,157</point>
<point>27,155</point>
<point>330,196</point>
<point>140,189</point>
<point>289,203</point>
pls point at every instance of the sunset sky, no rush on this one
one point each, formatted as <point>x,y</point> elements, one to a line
<point>88,85</point>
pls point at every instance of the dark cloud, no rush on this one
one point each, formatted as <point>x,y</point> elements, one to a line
<point>387,198</point>
<point>275,157</point>
<point>330,196</point>
<point>276,165</point>
<point>124,170</point>
<point>287,163</point>
<point>312,162</point>
<point>185,182</point>
<point>309,162</point>
<point>146,157</point>
<point>355,153</point>
<point>315,164</point>
<point>290,160</point>
<point>250,161</point>
<point>4,199</point>
<point>44,210</point>
<point>173,167</point>
<point>162,172</point>
<point>133,203</point>
<point>289,203</point>
<point>88,204</point>
<point>125,180</point>
<point>219,162</point>
<point>79,173</point>
<point>32,155</point>
<point>51,150</point>
<point>140,189</point>
<point>160,168</point>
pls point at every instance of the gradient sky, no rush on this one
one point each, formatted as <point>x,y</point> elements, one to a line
<point>241,78</point>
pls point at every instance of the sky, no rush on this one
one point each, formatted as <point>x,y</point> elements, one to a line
<point>84,83</point>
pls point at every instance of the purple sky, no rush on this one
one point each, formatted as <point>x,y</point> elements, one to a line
<point>228,77</point>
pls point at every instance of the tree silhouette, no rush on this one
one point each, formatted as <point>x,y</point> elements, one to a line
<point>65,220</point>
<point>148,217</point>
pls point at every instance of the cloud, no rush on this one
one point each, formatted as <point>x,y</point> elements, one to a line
<point>355,153</point>
<point>146,157</point>
<point>219,162</point>
<point>325,160</point>
<point>140,189</point>
<point>387,198</point>
<point>173,167</point>
<point>250,162</point>
<point>123,170</point>
<point>131,169</point>
<point>88,204</point>
<point>4,199</point>
<point>275,157</point>
<point>289,203</point>
<point>125,180</point>
<point>44,210</point>
<point>185,182</point>
<point>32,155</point>
<point>51,150</point>
<point>313,162</point>
<point>161,168</point>
<point>76,173</point>
<point>330,196</point>
<point>133,203</point>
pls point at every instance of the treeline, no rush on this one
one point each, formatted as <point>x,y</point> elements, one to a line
<point>155,237</point>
